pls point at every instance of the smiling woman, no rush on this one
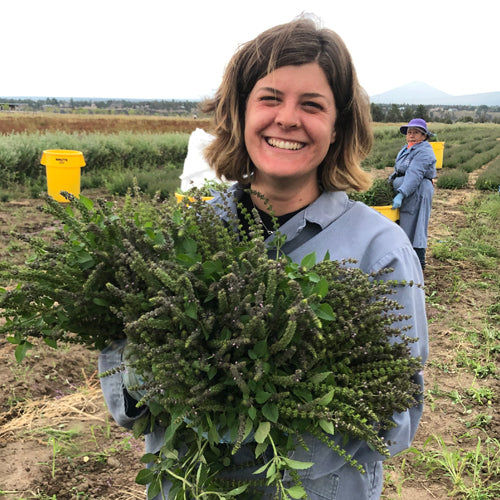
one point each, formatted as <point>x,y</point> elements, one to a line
<point>292,125</point>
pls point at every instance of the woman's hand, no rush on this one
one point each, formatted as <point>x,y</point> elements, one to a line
<point>398,199</point>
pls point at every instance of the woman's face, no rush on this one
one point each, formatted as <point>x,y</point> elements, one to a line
<point>290,123</point>
<point>415,135</point>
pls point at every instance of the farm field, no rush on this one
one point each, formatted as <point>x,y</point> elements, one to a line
<point>50,122</point>
<point>57,440</point>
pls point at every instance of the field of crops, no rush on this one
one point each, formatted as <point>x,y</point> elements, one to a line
<point>57,440</point>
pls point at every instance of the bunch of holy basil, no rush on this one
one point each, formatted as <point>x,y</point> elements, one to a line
<point>233,348</point>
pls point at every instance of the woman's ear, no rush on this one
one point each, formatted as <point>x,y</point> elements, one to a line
<point>334,135</point>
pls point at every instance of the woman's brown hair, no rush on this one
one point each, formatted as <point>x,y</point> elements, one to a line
<point>298,42</point>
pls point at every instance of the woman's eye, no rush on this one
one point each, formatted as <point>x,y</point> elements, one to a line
<point>271,98</point>
<point>313,105</point>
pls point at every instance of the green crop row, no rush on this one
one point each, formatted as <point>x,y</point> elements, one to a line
<point>129,154</point>
<point>20,154</point>
<point>489,180</point>
<point>467,146</point>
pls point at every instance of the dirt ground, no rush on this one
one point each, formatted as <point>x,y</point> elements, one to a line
<point>57,440</point>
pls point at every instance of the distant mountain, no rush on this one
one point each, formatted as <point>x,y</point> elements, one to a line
<point>421,93</point>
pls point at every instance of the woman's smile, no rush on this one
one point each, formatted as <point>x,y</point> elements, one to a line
<point>284,144</point>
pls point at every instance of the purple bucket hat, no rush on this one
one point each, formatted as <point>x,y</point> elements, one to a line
<point>416,123</point>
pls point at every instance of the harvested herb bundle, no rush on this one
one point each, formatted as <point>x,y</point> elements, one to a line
<point>233,348</point>
<point>380,193</point>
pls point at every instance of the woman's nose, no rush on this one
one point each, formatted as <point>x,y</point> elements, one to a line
<point>287,116</point>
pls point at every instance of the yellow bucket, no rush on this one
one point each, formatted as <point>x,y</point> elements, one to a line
<point>180,197</point>
<point>63,172</point>
<point>388,211</point>
<point>438,148</point>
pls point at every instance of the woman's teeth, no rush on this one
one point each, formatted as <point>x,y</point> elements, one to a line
<point>276,143</point>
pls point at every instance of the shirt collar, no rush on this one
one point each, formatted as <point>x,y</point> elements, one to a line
<point>329,206</point>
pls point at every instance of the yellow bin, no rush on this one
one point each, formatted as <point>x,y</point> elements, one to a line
<point>438,148</point>
<point>63,172</point>
<point>179,197</point>
<point>388,211</point>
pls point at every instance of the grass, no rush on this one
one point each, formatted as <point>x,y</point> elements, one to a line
<point>59,441</point>
<point>463,384</point>
<point>471,473</point>
<point>477,241</point>
<point>78,433</point>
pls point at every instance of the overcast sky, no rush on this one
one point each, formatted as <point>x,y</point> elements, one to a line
<point>177,49</point>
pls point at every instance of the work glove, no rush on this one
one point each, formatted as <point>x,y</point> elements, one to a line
<point>396,202</point>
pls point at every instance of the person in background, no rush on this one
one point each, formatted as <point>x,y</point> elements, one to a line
<point>412,180</point>
<point>292,123</point>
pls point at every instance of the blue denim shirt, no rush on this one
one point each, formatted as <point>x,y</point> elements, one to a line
<point>347,230</point>
<point>415,164</point>
<point>414,170</point>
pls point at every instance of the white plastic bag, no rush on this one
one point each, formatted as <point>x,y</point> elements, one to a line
<point>196,169</point>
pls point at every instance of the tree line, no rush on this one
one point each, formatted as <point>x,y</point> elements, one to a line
<point>170,107</point>
<point>395,113</point>
<point>388,113</point>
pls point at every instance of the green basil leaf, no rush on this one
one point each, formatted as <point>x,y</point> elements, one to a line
<point>271,412</point>
<point>262,396</point>
<point>149,458</point>
<point>325,312</point>
<point>308,261</point>
<point>237,491</point>
<point>21,350</point>
<point>326,399</point>
<point>145,476</point>
<point>327,426</point>
<point>297,465</point>
<point>296,492</point>
<point>262,432</point>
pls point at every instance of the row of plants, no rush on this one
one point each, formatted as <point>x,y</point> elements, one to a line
<point>488,180</point>
<point>452,179</point>
<point>477,159</point>
<point>113,160</point>
<point>20,154</point>
<point>470,146</point>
